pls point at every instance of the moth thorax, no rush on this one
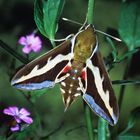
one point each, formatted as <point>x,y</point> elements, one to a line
<point>85,44</point>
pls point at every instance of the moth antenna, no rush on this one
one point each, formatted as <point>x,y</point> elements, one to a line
<point>108,35</point>
<point>72,21</point>
<point>83,25</point>
<point>75,22</point>
<point>63,39</point>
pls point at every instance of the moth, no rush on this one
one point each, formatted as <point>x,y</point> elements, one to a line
<point>79,68</point>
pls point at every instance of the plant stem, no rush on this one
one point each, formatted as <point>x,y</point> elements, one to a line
<point>53,43</point>
<point>122,90</point>
<point>87,110</point>
<point>13,52</point>
<point>125,77</point>
<point>89,121</point>
<point>125,82</point>
<point>90,16</point>
<point>102,123</point>
<point>102,129</point>
<point>53,132</point>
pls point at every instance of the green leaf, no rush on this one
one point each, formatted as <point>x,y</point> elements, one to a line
<point>129,25</point>
<point>46,15</point>
<point>113,47</point>
<point>128,137</point>
<point>126,55</point>
<point>38,16</point>
<point>134,117</point>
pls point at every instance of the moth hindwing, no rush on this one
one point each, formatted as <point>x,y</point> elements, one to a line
<point>78,66</point>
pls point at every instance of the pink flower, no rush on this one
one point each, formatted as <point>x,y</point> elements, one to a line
<point>30,43</point>
<point>19,116</point>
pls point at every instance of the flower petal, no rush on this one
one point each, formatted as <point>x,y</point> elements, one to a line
<point>30,42</point>
<point>37,40</point>
<point>17,118</point>
<point>12,111</point>
<point>23,111</point>
<point>30,38</point>
<point>22,40</point>
<point>36,48</point>
<point>27,49</point>
<point>26,119</point>
<point>15,128</point>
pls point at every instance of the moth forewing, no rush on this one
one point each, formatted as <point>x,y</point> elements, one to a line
<point>99,94</point>
<point>41,72</point>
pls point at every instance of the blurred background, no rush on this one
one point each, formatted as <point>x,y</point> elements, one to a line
<point>17,19</point>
